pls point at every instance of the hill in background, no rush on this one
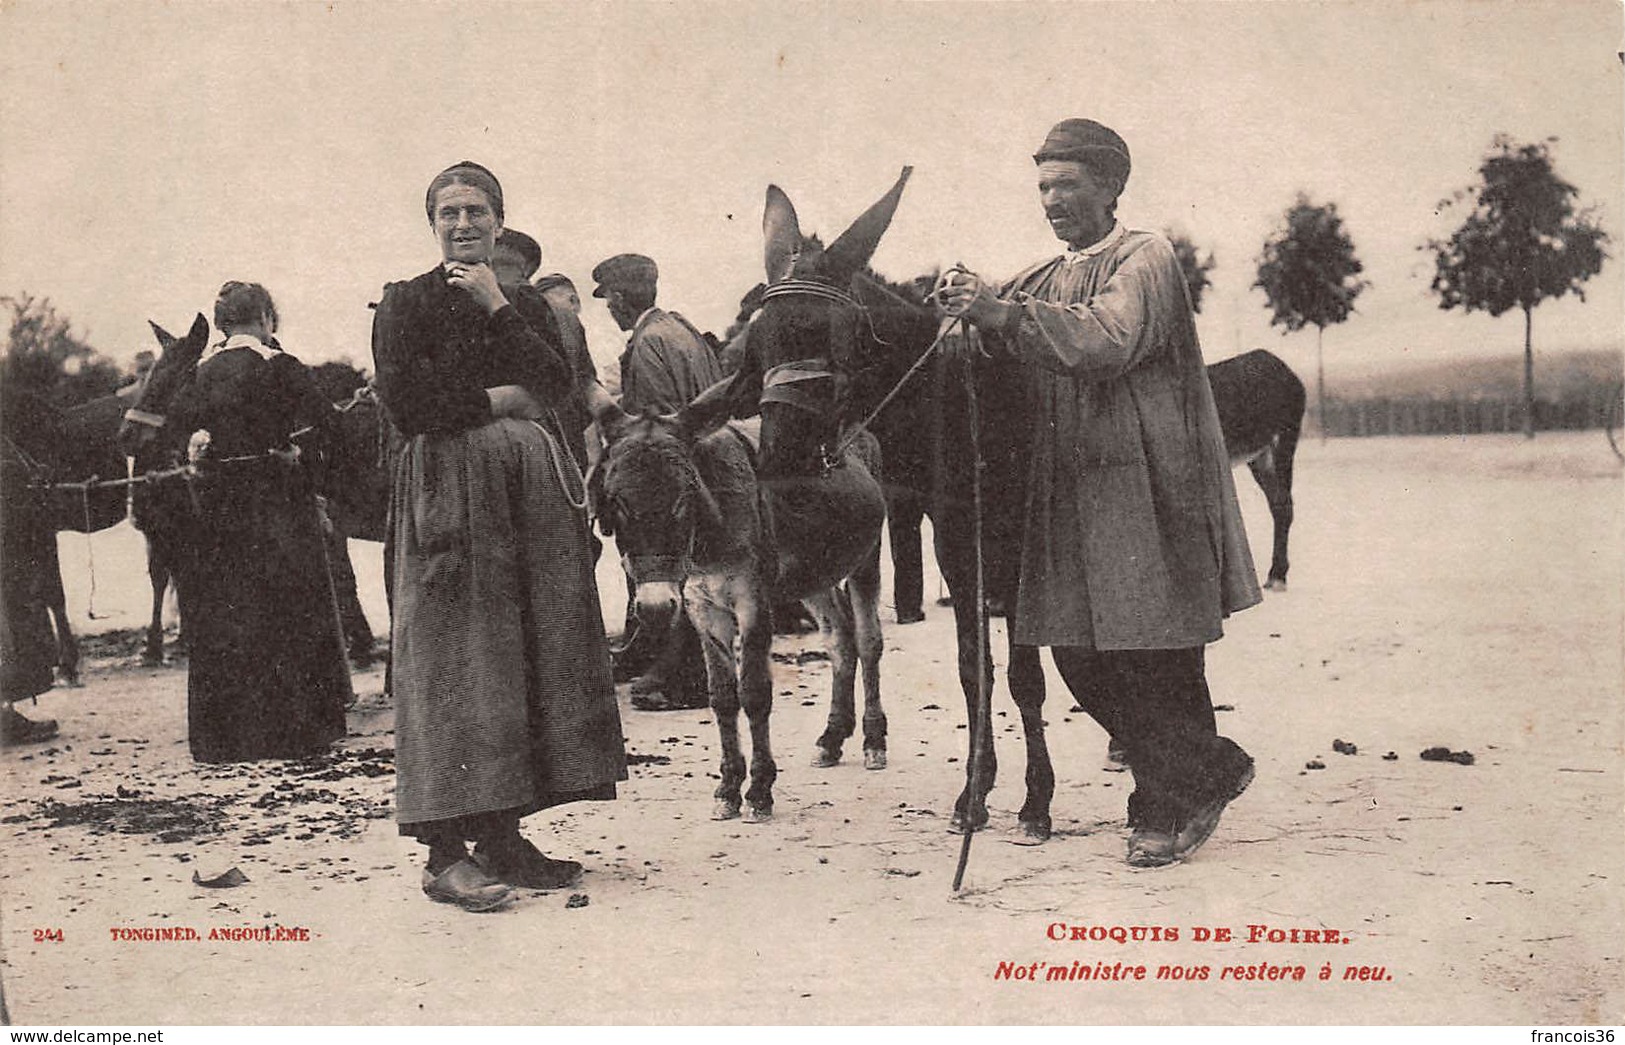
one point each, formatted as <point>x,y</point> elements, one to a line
<point>1558,375</point>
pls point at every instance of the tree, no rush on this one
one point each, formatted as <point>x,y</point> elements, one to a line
<point>1310,275</point>
<point>1522,242</point>
<point>1193,266</point>
<point>44,356</point>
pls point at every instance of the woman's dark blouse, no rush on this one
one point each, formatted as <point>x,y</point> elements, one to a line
<point>436,352</point>
<point>252,404</point>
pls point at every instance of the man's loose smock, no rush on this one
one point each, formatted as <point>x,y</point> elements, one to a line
<point>666,364</point>
<point>1133,536</point>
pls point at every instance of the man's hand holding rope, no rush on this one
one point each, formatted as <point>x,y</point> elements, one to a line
<point>961,292</point>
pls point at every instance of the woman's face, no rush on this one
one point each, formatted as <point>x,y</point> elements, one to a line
<point>465,224</point>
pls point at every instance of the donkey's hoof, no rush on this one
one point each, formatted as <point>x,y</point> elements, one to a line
<point>152,660</point>
<point>725,809</point>
<point>1031,832</point>
<point>1275,584</point>
<point>67,681</point>
<point>960,824</point>
<point>758,814</point>
<point>824,758</point>
<point>873,759</point>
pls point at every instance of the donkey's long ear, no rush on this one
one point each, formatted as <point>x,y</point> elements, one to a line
<point>856,245</point>
<point>783,234</point>
<point>165,338</point>
<point>199,331</point>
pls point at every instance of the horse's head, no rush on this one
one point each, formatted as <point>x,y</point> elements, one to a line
<point>655,502</point>
<point>177,361</point>
<point>812,333</point>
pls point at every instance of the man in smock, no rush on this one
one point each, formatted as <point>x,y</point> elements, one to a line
<point>1133,550</point>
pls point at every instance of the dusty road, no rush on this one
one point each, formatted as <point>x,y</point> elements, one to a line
<point>1464,594</point>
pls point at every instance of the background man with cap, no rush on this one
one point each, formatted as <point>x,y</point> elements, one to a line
<point>516,257</point>
<point>1134,550</point>
<point>666,364</point>
<point>667,361</point>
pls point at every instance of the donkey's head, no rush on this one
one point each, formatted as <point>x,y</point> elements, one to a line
<point>811,333</point>
<point>172,371</point>
<point>655,503</point>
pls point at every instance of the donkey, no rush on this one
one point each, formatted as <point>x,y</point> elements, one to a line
<point>809,528</point>
<point>689,516</point>
<point>1261,403</point>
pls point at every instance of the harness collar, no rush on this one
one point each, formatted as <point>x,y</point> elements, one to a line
<point>809,288</point>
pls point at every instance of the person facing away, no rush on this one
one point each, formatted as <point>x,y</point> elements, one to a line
<point>501,676</point>
<point>1134,550</point>
<point>667,363</point>
<point>266,669</point>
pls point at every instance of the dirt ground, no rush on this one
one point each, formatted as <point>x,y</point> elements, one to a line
<point>1464,594</point>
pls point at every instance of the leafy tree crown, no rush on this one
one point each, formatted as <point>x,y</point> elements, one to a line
<point>1524,239</point>
<point>1308,269</point>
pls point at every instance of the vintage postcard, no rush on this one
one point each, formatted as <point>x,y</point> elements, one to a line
<point>1429,691</point>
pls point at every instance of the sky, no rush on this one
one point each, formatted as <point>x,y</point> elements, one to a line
<point>152,151</point>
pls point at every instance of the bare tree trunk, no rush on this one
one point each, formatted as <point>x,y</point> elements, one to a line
<point>1528,372</point>
<point>1320,379</point>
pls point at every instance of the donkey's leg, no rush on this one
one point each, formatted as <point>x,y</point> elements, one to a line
<point>835,622</point>
<point>67,647</point>
<point>1280,501</point>
<point>863,597</point>
<point>1026,677</point>
<point>158,574</point>
<point>956,556</point>
<point>714,622</point>
<point>756,694</point>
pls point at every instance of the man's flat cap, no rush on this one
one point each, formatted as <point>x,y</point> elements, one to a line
<point>1086,142</point>
<point>623,270</point>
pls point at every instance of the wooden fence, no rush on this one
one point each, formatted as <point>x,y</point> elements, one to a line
<point>1466,416</point>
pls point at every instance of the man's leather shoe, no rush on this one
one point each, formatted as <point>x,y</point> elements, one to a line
<point>1199,828</point>
<point>1150,848</point>
<point>467,885</point>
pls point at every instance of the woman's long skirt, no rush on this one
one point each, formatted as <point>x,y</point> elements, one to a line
<point>266,676</point>
<point>501,674</point>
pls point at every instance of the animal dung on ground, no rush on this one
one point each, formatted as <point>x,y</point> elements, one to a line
<point>1314,763</point>
<point>1343,747</point>
<point>1392,756</point>
<point>1444,754</point>
<point>576,900</point>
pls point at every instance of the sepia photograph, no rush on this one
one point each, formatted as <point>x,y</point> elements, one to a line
<point>843,513</point>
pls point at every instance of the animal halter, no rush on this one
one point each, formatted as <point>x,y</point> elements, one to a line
<point>809,288</point>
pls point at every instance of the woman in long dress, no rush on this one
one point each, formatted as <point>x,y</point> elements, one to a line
<point>500,669</point>
<point>266,676</point>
